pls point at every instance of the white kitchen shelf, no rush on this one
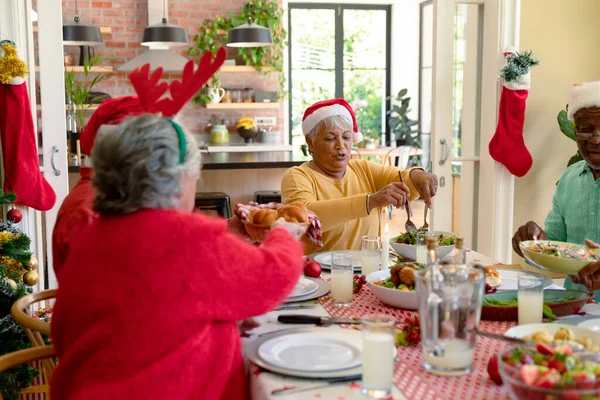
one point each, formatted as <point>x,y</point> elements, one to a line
<point>243,106</point>
<point>79,68</point>
<point>89,107</point>
<point>242,68</point>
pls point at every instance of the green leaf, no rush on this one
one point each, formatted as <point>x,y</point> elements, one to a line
<point>575,159</point>
<point>549,314</point>
<point>402,93</point>
<point>566,126</point>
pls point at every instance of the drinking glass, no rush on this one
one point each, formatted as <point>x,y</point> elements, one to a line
<point>378,357</point>
<point>370,254</point>
<point>530,298</point>
<point>342,279</point>
<point>450,298</point>
<point>422,247</point>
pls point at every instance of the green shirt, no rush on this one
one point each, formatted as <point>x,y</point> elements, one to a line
<point>575,213</point>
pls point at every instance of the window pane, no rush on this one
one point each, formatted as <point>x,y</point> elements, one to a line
<point>365,91</point>
<point>312,41</point>
<point>427,38</point>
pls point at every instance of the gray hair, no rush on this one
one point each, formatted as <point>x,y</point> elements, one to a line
<point>138,166</point>
<point>341,122</point>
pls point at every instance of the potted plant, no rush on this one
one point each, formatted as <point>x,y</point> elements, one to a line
<point>78,92</point>
<point>568,129</point>
<point>403,128</point>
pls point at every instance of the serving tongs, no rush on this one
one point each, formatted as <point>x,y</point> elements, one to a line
<point>409,225</point>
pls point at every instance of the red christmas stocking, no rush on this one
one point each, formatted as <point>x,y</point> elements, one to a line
<point>19,153</point>
<point>507,146</point>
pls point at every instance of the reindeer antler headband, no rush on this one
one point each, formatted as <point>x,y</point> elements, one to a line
<point>150,90</point>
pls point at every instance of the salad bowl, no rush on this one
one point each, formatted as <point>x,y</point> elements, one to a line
<point>392,297</point>
<point>566,258</point>
<point>405,244</point>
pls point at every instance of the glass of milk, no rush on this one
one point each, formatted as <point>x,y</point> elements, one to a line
<point>378,357</point>
<point>342,279</point>
<point>370,254</point>
<point>530,298</point>
<point>450,299</point>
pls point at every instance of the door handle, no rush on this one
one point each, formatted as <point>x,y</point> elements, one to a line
<point>446,149</point>
<point>54,169</point>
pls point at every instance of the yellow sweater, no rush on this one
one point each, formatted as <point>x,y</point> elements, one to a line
<point>341,204</point>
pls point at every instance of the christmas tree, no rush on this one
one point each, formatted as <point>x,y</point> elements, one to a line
<point>17,266</point>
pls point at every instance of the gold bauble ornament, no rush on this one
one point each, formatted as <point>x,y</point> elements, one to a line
<point>33,264</point>
<point>12,283</point>
<point>30,278</point>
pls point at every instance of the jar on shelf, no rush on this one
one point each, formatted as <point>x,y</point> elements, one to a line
<point>236,96</point>
<point>219,134</point>
<point>248,95</point>
<point>227,96</point>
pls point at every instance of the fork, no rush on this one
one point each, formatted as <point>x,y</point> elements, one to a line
<point>425,226</point>
<point>409,225</point>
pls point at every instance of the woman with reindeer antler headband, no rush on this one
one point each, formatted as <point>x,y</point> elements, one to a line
<point>154,315</point>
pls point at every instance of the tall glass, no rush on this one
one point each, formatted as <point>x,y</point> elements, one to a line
<point>370,254</point>
<point>530,298</point>
<point>378,358</point>
<point>342,279</point>
<point>422,247</point>
<point>450,298</point>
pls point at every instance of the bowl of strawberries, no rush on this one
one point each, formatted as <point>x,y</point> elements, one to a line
<point>550,373</point>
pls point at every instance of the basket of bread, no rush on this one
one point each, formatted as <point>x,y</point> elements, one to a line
<point>258,219</point>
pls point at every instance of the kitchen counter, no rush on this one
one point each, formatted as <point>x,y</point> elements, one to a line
<point>254,160</point>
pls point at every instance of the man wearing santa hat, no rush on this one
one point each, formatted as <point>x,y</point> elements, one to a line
<point>345,194</point>
<point>76,210</point>
<point>575,212</point>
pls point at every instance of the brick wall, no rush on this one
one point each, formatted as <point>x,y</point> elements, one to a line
<point>128,18</point>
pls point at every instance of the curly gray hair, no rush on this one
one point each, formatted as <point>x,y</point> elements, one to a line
<point>138,166</point>
<point>328,124</point>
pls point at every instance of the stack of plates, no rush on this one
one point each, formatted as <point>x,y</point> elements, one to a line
<point>309,352</point>
<point>324,259</point>
<point>308,289</point>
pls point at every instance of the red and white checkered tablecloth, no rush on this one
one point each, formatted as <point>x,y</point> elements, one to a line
<point>410,378</point>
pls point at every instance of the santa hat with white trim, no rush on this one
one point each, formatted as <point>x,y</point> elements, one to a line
<point>329,108</point>
<point>583,96</point>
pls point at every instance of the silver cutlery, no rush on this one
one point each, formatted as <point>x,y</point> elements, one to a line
<point>409,225</point>
<point>316,320</point>
<point>320,385</point>
<point>295,307</point>
<point>425,226</point>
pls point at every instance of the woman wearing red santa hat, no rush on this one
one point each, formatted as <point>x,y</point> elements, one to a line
<point>76,210</point>
<point>344,192</point>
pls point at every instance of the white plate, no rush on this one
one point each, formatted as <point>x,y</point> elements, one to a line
<point>322,290</point>
<point>313,352</point>
<point>251,351</point>
<point>324,259</point>
<point>591,324</point>
<point>528,329</point>
<point>304,287</point>
<point>510,279</point>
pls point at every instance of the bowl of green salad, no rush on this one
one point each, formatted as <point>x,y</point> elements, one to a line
<point>565,258</point>
<point>406,243</point>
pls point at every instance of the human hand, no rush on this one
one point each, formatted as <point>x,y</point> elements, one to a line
<point>395,194</point>
<point>294,229</point>
<point>236,226</point>
<point>247,325</point>
<point>589,276</point>
<point>425,183</point>
<point>529,231</point>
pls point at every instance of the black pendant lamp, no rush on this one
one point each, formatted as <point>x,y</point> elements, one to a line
<point>164,35</point>
<point>249,35</point>
<point>80,34</point>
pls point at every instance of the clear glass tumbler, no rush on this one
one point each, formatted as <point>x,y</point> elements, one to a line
<point>378,357</point>
<point>530,298</point>
<point>370,254</point>
<point>422,247</point>
<point>342,279</point>
<point>450,299</point>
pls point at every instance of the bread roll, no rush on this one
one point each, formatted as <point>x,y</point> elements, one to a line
<point>263,217</point>
<point>492,277</point>
<point>295,212</point>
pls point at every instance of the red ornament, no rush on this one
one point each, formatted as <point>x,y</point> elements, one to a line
<point>14,215</point>
<point>312,268</point>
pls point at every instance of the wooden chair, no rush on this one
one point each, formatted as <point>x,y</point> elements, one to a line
<point>34,329</point>
<point>25,356</point>
<point>390,157</point>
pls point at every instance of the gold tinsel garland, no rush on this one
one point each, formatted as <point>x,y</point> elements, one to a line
<point>11,66</point>
<point>6,236</point>
<point>12,265</point>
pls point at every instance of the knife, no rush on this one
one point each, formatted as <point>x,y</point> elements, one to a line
<point>316,320</point>
<point>291,390</point>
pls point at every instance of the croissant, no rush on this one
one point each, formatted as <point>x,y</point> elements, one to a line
<point>263,217</point>
<point>295,212</point>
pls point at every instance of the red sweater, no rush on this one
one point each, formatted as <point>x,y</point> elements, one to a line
<point>152,315</point>
<point>75,213</point>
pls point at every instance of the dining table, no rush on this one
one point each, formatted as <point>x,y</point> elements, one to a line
<point>411,381</point>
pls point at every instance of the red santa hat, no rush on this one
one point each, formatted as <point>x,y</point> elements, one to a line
<point>329,108</point>
<point>110,112</point>
<point>583,96</point>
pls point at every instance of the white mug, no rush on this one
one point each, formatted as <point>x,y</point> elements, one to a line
<point>215,94</point>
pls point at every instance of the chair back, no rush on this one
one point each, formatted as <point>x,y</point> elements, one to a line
<point>34,328</point>
<point>401,153</point>
<point>11,360</point>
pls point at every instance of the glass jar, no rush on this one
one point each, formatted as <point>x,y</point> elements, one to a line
<point>227,96</point>
<point>219,134</point>
<point>248,95</point>
<point>236,95</point>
